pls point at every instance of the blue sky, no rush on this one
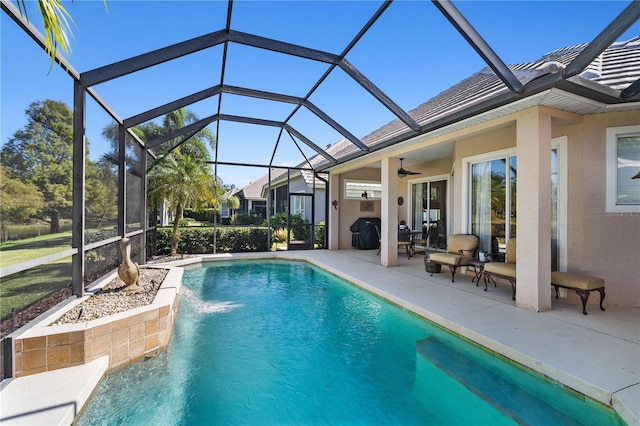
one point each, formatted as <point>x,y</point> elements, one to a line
<point>412,53</point>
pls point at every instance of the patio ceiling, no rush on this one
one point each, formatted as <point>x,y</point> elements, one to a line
<point>517,88</point>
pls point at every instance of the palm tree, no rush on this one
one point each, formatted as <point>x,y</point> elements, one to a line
<point>56,24</point>
<point>233,202</point>
<point>182,181</point>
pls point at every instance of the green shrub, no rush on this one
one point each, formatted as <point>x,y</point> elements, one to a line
<point>246,219</point>
<point>204,215</point>
<point>299,225</point>
<point>280,235</point>
<point>185,221</point>
<point>228,240</point>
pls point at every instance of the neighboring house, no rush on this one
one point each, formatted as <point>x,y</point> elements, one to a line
<point>299,189</point>
<point>251,199</point>
<point>553,167</point>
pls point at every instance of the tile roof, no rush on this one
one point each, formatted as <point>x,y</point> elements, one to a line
<point>253,190</point>
<point>617,68</point>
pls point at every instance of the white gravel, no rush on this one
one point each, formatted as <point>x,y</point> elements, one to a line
<point>111,299</point>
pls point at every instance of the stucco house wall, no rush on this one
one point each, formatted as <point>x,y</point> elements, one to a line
<point>601,243</point>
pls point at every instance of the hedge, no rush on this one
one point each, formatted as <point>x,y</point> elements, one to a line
<point>200,240</point>
<point>204,215</point>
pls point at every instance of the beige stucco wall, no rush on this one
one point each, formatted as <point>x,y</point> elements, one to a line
<point>600,243</point>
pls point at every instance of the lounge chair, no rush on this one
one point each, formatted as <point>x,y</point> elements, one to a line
<point>461,249</point>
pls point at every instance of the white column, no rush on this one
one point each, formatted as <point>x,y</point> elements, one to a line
<point>533,276</point>
<point>334,214</point>
<point>389,212</point>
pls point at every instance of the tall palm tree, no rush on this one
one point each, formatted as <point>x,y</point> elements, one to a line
<point>182,181</point>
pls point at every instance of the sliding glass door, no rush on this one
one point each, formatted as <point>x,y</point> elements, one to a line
<point>429,210</point>
<point>493,201</point>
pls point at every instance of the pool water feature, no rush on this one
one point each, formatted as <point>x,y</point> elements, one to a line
<point>283,342</point>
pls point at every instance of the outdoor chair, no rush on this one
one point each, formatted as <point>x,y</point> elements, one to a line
<point>461,250</point>
<point>438,235</point>
<point>405,240</point>
<point>505,270</point>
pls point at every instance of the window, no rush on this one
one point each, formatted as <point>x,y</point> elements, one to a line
<point>491,206</point>
<point>362,189</point>
<point>298,205</point>
<point>429,207</point>
<point>493,202</point>
<point>623,165</point>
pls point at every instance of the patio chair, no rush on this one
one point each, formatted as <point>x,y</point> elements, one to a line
<point>405,240</point>
<point>505,270</point>
<point>460,251</point>
<point>438,235</point>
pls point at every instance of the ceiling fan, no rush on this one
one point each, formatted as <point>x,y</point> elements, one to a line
<point>402,172</point>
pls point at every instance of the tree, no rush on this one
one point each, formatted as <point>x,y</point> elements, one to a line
<point>181,176</point>
<point>56,25</point>
<point>182,181</point>
<point>42,154</point>
<point>101,202</point>
<point>20,200</point>
<point>233,202</point>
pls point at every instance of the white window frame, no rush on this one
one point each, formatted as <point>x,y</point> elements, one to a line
<point>467,162</point>
<point>429,179</point>
<point>612,170</point>
<point>300,206</point>
<point>374,194</point>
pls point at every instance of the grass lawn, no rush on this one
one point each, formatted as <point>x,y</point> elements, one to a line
<point>12,252</point>
<point>25,288</point>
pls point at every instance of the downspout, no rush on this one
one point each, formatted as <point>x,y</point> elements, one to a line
<point>326,206</point>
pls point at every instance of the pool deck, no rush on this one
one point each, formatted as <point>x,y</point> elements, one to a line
<point>597,354</point>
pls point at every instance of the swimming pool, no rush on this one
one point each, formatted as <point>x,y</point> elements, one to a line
<point>280,342</point>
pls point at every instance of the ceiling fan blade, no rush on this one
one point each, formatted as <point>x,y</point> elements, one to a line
<point>402,172</point>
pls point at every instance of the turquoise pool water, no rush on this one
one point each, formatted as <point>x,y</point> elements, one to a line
<point>280,343</point>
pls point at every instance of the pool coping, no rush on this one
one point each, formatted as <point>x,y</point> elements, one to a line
<point>624,399</point>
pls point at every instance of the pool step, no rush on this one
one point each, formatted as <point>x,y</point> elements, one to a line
<point>445,372</point>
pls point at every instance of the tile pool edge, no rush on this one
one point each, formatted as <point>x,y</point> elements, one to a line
<point>603,396</point>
